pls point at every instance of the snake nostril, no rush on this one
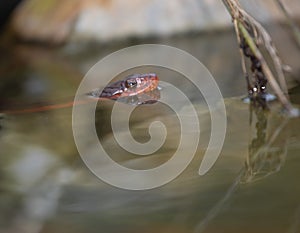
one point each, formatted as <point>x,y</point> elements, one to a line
<point>154,76</point>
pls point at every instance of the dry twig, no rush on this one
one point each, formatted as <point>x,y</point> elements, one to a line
<point>251,34</point>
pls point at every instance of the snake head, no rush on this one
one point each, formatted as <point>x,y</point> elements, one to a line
<point>132,85</point>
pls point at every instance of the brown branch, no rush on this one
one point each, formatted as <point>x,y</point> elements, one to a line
<point>254,35</point>
<point>283,99</point>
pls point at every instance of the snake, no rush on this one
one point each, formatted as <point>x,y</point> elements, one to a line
<point>132,89</point>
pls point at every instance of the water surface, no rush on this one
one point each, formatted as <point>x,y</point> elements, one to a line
<point>46,187</point>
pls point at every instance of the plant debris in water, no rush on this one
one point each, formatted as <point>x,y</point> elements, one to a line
<point>251,35</point>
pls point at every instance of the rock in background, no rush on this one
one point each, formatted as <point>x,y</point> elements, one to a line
<point>46,21</point>
<point>57,21</point>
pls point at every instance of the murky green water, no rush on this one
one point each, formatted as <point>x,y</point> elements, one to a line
<point>46,187</point>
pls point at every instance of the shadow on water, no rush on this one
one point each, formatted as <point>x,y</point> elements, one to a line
<point>45,186</point>
<point>267,152</point>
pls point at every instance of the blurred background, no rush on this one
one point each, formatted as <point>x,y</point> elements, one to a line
<point>46,48</point>
<point>105,20</point>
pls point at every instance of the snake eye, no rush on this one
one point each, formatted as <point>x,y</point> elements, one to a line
<point>130,83</point>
